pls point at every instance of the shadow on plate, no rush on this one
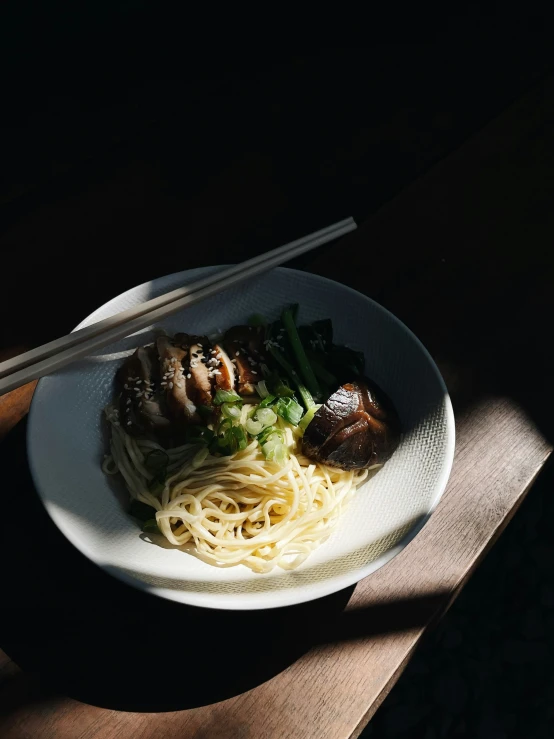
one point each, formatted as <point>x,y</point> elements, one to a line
<point>89,636</point>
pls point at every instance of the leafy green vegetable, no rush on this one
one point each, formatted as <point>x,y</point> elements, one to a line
<point>307,417</point>
<point>266,416</point>
<point>267,401</point>
<point>346,363</point>
<point>321,372</point>
<point>231,410</point>
<point>302,360</point>
<point>267,432</point>
<point>228,440</point>
<point>151,526</point>
<point>274,450</point>
<point>141,510</point>
<point>261,389</point>
<point>277,387</point>
<point>324,332</point>
<point>253,426</point>
<point>305,394</point>
<point>288,409</point>
<point>227,396</point>
<point>198,435</point>
<point>240,437</point>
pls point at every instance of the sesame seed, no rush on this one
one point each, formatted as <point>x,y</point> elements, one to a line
<point>189,376</point>
<point>129,423</point>
<point>138,382</point>
<point>237,354</point>
<point>204,360</point>
<point>164,384</point>
<point>170,386</point>
<point>128,401</point>
<point>126,386</point>
<point>254,372</point>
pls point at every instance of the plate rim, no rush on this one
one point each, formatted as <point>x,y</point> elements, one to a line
<point>257,600</point>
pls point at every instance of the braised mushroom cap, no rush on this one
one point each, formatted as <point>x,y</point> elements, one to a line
<point>356,428</point>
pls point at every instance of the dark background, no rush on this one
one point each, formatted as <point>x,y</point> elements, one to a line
<point>192,153</point>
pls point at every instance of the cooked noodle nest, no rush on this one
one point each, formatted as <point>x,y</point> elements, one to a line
<point>238,509</point>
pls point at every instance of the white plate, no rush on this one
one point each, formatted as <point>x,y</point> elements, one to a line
<point>67,441</point>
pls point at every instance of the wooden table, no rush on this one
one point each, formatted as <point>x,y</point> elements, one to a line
<point>464,257</point>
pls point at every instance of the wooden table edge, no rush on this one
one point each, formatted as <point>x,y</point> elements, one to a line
<point>441,612</point>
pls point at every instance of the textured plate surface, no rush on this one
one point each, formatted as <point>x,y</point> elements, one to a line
<point>67,441</point>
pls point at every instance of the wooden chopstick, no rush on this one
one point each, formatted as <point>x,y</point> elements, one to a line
<point>56,354</point>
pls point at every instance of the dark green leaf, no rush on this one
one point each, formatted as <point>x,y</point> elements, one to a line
<point>198,435</point>
<point>151,526</point>
<point>277,387</point>
<point>317,360</point>
<point>140,510</point>
<point>346,363</point>
<point>299,352</point>
<point>324,331</point>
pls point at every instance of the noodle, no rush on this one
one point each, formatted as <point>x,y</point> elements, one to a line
<point>238,509</point>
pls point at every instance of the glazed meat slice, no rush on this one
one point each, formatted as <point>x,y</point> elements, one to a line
<point>139,410</point>
<point>223,368</point>
<point>199,370</point>
<point>356,428</point>
<point>173,380</point>
<point>244,345</point>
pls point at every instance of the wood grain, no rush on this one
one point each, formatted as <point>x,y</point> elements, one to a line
<point>476,201</point>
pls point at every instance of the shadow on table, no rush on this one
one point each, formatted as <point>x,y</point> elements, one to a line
<point>86,635</point>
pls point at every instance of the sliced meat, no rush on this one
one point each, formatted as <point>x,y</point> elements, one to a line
<point>199,371</point>
<point>356,428</point>
<point>139,411</point>
<point>224,369</point>
<point>244,345</point>
<point>173,380</point>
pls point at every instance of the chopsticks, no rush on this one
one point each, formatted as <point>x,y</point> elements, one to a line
<point>58,353</point>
